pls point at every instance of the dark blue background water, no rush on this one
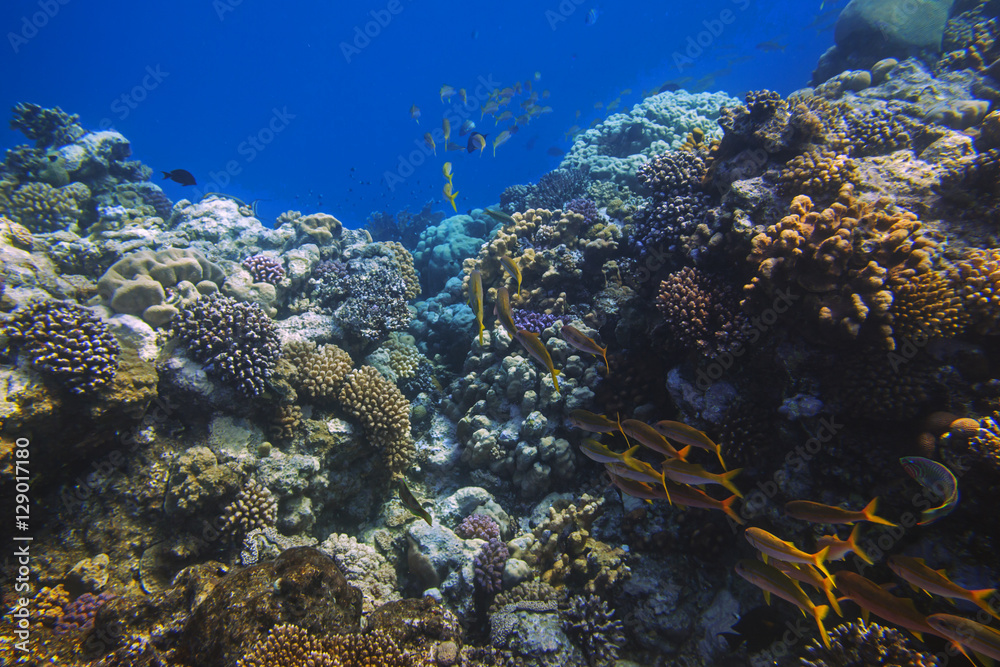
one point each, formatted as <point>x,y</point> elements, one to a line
<point>200,78</point>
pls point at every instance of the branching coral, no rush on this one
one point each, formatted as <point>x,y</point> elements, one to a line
<point>292,646</point>
<point>591,623</point>
<point>264,269</point>
<point>489,565</point>
<point>318,371</point>
<point>678,206</point>
<point>376,303</point>
<point>980,287</point>
<point>478,526</point>
<point>404,263</point>
<point>46,127</point>
<point>254,509</point>
<point>859,645</point>
<point>384,414</point>
<point>68,343</point>
<point>702,313</point>
<point>43,208</point>
<point>846,258</point>
<point>236,341</point>
<point>818,174</point>
<point>928,305</point>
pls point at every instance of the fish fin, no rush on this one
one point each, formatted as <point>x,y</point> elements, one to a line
<point>918,635</point>
<point>726,479</point>
<point>607,367</point>
<point>166,175</point>
<point>869,514</point>
<point>718,452</point>
<point>820,613</point>
<point>683,454</point>
<point>820,557</point>
<point>985,659</point>
<point>982,599</point>
<point>665,489</point>
<point>727,507</point>
<point>828,589</point>
<point>865,615</point>
<point>618,417</point>
<point>767,597</point>
<point>855,547</point>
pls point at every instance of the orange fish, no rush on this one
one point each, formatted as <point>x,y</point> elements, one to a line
<point>769,545</point>
<point>874,599</point>
<point>840,548</point>
<point>819,513</point>
<point>917,573</point>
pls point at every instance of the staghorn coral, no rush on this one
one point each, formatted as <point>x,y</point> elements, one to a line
<point>478,526</point>
<point>264,269</point>
<point>384,414</point>
<point>67,342</point>
<point>489,564</point>
<point>820,174</point>
<point>43,208</point>
<point>319,372</point>
<point>858,644</point>
<point>254,509</point>
<point>845,257</point>
<point>237,341</point>
<point>591,623</point>
<point>701,312</point>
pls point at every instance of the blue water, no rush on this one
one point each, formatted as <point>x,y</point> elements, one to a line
<point>276,101</point>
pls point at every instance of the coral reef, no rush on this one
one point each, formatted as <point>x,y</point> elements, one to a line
<point>317,371</point>
<point>489,565</point>
<point>66,342</point>
<point>264,269</point>
<point>478,526</point>
<point>254,509</point>
<point>46,127</point>
<point>43,208</point>
<point>236,341</point>
<point>589,621</point>
<point>79,614</point>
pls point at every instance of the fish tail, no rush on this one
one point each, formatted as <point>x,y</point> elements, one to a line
<point>820,557</point>
<point>828,589</point>
<point>727,507</point>
<point>166,175</point>
<point>819,613</point>
<point>726,481</point>
<point>869,514</point>
<point>718,452</point>
<point>855,547</point>
<point>683,454</point>
<point>982,599</point>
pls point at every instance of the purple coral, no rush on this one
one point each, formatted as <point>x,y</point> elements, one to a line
<point>529,320</point>
<point>478,526</point>
<point>236,341</point>
<point>79,614</point>
<point>584,207</point>
<point>264,269</point>
<point>489,565</point>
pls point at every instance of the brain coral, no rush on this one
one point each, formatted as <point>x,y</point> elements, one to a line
<point>846,259</point>
<point>384,414</point>
<point>237,341</point>
<point>67,342</point>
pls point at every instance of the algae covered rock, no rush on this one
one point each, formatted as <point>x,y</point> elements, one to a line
<point>891,27</point>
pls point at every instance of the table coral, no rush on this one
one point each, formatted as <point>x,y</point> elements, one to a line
<point>236,341</point>
<point>67,342</point>
<point>384,414</point>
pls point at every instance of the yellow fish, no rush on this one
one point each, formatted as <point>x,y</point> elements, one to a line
<point>446,126</point>
<point>502,310</point>
<point>450,196</point>
<point>769,545</point>
<point>510,266</point>
<point>575,337</point>
<point>500,139</point>
<point>446,92</point>
<point>688,435</point>
<point>536,348</point>
<point>772,580</point>
<point>596,451</point>
<point>446,170</point>
<point>415,113</point>
<point>874,599</point>
<point>683,472</point>
<point>476,295</point>
<point>462,95</point>
<point>917,573</point>
<point>588,421</point>
<point>502,218</point>
<point>476,140</point>
<point>429,140</point>
<point>807,574</point>
<point>840,548</point>
<point>645,434</point>
<point>981,639</point>
<point>412,504</point>
<point>806,510</point>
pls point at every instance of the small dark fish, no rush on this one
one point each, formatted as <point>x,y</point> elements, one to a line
<point>759,628</point>
<point>181,176</point>
<point>476,141</point>
<point>555,151</point>
<point>669,87</point>
<point>410,502</point>
<point>592,16</point>
<point>768,47</point>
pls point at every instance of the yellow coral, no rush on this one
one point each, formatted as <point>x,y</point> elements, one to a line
<point>928,305</point>
<point>319,371</point>
<point>404,263</point>
<point>980,276</point>
<point>818,173</point>
<point>384,414</point>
